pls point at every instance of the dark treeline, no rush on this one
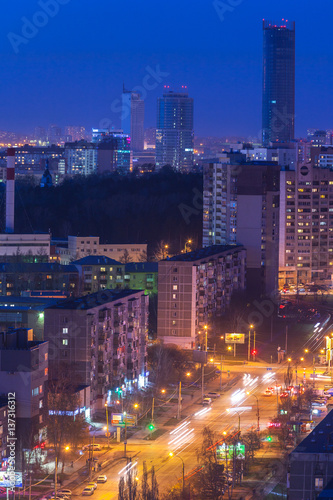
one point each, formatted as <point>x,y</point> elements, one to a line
<point>162,206</point>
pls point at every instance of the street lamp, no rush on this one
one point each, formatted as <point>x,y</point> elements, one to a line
<point>177,456</point>
<point>206,343</point>
<point>165,250</point>
<point>107,423</point>
<point>258,414</point>
<point>249,343</point>
<point>188,242</point>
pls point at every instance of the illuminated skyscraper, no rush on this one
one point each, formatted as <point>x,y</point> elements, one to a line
<point>278,99</point>
<point>174,133</point>
<point>132,119</point>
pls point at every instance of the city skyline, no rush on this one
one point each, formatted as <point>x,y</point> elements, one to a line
<point>61,80</point>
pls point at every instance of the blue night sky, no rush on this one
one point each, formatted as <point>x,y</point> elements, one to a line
<point>71,71</point>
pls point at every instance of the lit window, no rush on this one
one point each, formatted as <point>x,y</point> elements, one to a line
<point>174,295</point>
<point>65,330</point>
<point>175,287</point>
<point>64,341</point>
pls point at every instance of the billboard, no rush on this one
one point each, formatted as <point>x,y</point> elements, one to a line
<point>120,420</point>
<point>6,479</point>
<point>226,452</point>
<point>199,356</point>
<point>235,338</point>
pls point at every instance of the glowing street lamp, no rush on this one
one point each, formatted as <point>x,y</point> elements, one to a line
<point>177,456</point>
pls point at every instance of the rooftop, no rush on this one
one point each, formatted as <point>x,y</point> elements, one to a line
<point>36,267</point>
<point>141,267</point>
<point>94,299</point>
<point>320,440</point>
<point>96,260</point>
<point>203,253</point>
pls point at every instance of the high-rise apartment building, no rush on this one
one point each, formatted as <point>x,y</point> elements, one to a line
<point>306,230</point>
<point>114,153</point>
<point>102,337</point>
<point>241,205</point>
<point>195,287</point>
<point>74,133</point>
<point>24,372</point>
<point>278,99</point>
<point>174,132</point>
<point>132,120</point>
<point>81,157</point>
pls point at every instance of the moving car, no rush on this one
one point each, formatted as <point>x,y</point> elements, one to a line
<point>207,402</point>
<point>102,479</point>
<point>268,392</point>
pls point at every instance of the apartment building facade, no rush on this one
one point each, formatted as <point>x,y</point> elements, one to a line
<point>24,371</point>
<point>3,425</point>
<point>241,205</point>
<point>81,246</point>
<point>306,231</point>
<point>103,338</point>
<point>193,288</point>
<point>311,463</point>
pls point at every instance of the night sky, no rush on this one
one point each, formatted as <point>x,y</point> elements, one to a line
<point>71,71</point>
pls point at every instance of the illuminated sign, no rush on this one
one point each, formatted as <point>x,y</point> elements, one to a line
<point>226,452</point>
<point>234,338</point>
<point>6,476</point>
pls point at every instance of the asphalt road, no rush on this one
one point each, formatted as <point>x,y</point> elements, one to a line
<point>186,438</point>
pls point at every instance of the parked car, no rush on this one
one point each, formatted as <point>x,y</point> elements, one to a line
<point>213,395</point>
<point>88,491</point>
<point>95,447</point>
<point>92,485</point>
<point>207,402</point>
<point>268,392</point>
<point>64,491</point>
<point>102,479</point>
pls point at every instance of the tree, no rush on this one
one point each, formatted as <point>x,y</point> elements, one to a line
<point>127,488</point>
<point>167,364</point>
<point>161,251</point>
<point>64,428</point>
<point>149,491</point>
<point>209,482</point>
<point>125,258</point>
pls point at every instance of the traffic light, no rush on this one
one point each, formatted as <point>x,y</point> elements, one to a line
<point>269,439</point>
<point>151,427</point>
<point>254,352</point>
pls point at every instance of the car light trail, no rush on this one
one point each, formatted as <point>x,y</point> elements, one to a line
<point>180,427</point>
<point>202,412</point>
<point>127,468</point>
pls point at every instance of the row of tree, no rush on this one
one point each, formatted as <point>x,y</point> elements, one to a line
<point>120,209</point>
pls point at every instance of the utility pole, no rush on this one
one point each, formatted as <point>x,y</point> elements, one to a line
<point>179,401</point>
<point>202,380</point>
<point>221,372</point>
<point>286,339</point>
<point>152,410</point>
<point>234,349</point>
<point>249,347</point>
<point>55,476</point>
<point>254,345</point>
